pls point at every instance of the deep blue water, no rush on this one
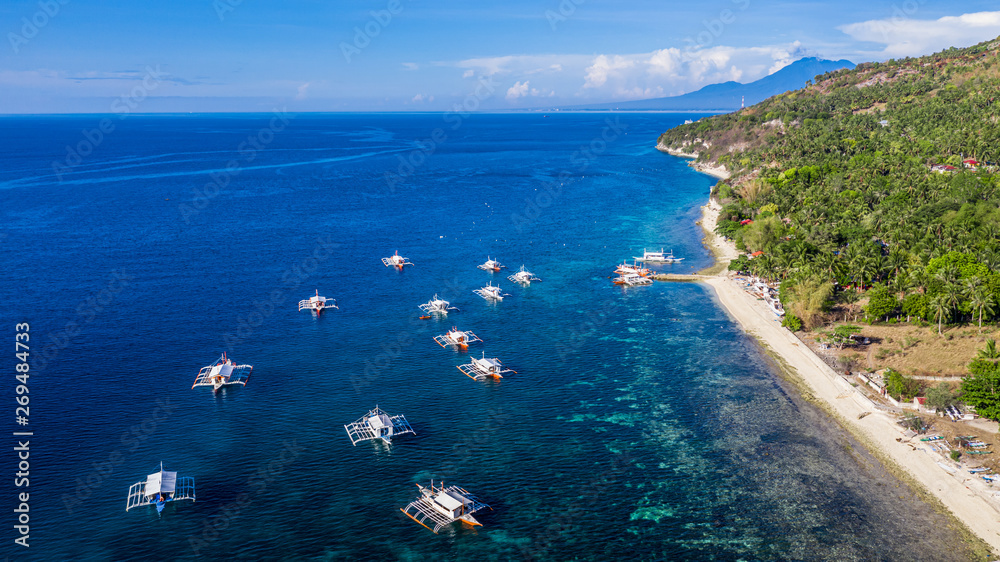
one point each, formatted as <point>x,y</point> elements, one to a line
<point>641,423</point>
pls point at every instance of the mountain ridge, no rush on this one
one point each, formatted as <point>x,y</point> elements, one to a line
<point>731,95</point>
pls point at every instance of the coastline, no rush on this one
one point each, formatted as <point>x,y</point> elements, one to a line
<point>719,172</point>
<point>966,498</point>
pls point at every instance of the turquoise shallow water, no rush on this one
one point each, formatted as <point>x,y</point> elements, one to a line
<point>641,423</point>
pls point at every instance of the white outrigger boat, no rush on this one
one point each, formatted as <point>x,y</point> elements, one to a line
<point>658,257</point>
<point>158,489</point>
<point>479,369</point>
<point>458,338</point>
<point>396,260</point>
<point>377,424</point>
<point>632,279</point>
<point>523,276</point>
<point>625,268</point>
<point>437,305</point>
<point>223,372</point>
<point>317,304</point>
<point>491,265</point>
<point>491,293</point>
<point>443,506</point>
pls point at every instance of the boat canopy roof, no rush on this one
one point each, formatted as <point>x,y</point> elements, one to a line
<point>224,370</point>
<point>379,421</point>
<point>487,362</point>
<point>162,481</point>
<point>447,501</point>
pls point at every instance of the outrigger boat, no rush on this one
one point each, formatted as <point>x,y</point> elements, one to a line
<point>523,276</point>
<point>377,424</point>
<point>317,304</point>
<point>437,305</point>
<point>490,292</point>
<point>634,268</point>
<point>491,265</point>
<point>396,260</point>
<point>223,372</point>
<point>479,369</point>
<point>442,506</point>
<point>632,279</point>
<point>458,338</point>
<point>658,257</point>
<point>158,489</point>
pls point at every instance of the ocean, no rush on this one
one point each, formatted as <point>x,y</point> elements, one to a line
<point>641,423</point>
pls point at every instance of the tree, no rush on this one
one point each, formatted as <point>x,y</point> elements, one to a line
<point>807,298</point>
<point>939,307</point>
<point>900,387</point>
<point>940,397</point>
<point>990,351</point>
<point>917,305</point>
<point>842,334</point>
<point>881,303</point>
<point>981,300</point>
<point>981,389</point>
<point>763,233</point>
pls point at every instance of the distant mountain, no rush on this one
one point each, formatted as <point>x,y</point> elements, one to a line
<point>727,95</point>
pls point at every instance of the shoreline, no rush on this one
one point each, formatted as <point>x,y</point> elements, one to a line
<point>965,498</point>
<point>719,172</point>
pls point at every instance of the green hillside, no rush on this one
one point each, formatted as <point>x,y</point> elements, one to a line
<point>847,184</point>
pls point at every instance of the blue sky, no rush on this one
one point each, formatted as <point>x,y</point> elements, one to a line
<point>63,56</point>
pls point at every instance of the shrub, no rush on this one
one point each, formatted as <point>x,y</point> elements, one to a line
<point>792,322</point>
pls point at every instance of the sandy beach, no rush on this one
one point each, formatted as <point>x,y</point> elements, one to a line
<point>968,498</point>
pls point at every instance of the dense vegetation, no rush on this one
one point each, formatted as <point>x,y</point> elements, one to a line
<point>834,185</point>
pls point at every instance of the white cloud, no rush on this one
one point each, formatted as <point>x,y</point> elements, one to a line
<point>675,71</point>
<point>301,91</point>
<point>411,66</point>
<point>665,62</point>
<point>904,36</point>
<point>417,98</point>
<point>488,65</point>
<point>623,76</point>
<point>604,66</point>
<point>517,90</point>
<point>517,64</point>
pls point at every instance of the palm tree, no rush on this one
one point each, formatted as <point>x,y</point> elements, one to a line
<point>898,258</point>
<point>867,268</point>
<point>940,308</point>
<point>981,300</point>
<point>990,351</point>
<point>952,293</point>
<point>918,279</point>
